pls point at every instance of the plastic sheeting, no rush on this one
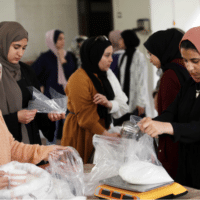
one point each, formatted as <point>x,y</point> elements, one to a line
<point>58,103</point>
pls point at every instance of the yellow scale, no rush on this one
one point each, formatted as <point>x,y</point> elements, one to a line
<point>171,190</point>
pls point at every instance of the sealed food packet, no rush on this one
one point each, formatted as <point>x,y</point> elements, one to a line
<point>58,103</point>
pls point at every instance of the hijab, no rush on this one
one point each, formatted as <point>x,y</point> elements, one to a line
<point>165,46</point>
<point>51,39</point>
<point>10,92</point>
<point>114,37</point>
<point>131,41</point>
<point>91,53</point>
<point>193,36</point>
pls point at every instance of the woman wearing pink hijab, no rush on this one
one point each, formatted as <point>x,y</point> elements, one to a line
<point>181,120</point>
<point>54,67</point>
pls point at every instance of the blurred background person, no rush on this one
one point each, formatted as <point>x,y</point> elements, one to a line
<point>53,68</point>
<point>114,37</point>
<point>75,49</point>
<point>132,75</point>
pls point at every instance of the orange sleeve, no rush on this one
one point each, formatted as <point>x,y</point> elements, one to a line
<point>80,91</point>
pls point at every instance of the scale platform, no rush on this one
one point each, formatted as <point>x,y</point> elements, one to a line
<point>116,188</point>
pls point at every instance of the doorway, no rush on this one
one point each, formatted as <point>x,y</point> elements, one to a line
<point>95,17</point>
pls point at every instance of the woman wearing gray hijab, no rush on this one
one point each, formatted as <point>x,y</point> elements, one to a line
<point>16,77</point>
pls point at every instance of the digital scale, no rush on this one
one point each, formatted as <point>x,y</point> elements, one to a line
<point>116,188</point>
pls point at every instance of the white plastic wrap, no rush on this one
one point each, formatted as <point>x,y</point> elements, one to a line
<point>58,103</point>
<point>113,155</point>
<point>39,183</point>
<point>67,167</point>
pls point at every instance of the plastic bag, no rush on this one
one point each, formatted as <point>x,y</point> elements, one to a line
<point>142,165</point>
<point>43,104</point>
<point>39,184</point>
<point>66,166</point>
<point>109,157</point>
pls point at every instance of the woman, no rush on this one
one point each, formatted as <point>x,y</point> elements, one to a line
<point>114,37</point>
<point>163,49</point>
<point>16,77</point>
<point>91,98</point>
<point>132,75</point>
<point>181,120</point>
<point>12,150</point>
<point>54,67</point>
<point>75,49</point>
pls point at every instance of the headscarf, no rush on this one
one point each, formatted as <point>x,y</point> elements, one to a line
<point>10,92</point>
<point>52,46</point>
<point>165,45</point>
<point>131,41</point>
<point>193,36</point>
<point>114,37</point>
<point>91,53</point>
<point>75,47</point>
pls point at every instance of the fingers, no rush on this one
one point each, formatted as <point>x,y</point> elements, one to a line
<point>56,116</point>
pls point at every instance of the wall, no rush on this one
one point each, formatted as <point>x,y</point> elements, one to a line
<point>7,10</point>
<point>39,16</point>
<point>125,14</point>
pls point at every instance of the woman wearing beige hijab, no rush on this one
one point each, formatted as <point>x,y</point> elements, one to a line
<point>181,120</point>
<point>16,77</point>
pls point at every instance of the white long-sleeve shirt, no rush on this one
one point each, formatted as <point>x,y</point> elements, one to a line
<point>119,103</point>
<point>138,79</point>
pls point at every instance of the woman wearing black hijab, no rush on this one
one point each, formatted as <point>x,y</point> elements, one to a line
<point>91,97</point>
<point>132,75</point>
<point>163,49</point>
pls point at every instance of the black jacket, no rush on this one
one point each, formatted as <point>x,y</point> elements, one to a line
<point>184,115</point>
<point>41,121</point>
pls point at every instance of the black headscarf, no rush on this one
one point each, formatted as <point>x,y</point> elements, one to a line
<point>91,53</point>
<point>165,46</point>
<point>56,35</point>
<point>131,41</point>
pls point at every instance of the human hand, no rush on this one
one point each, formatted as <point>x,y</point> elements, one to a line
<point>61,54</point>
<point>155,128</point>
<point>4,182</point>
<point>106,133</point>
<point>55,152</point>
<point>55,116</point>
<point>140,110</point>
<point>102,100</point>
<point>26,116</point>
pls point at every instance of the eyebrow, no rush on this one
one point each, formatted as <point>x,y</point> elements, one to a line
<point>19,45</point>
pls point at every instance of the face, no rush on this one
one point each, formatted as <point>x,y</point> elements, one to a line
<point>154,60</point>
<point>192,62</point>
<point>121,43</point>
<point>106,59</point>
<point>61,41</point>
<point>16,51</point>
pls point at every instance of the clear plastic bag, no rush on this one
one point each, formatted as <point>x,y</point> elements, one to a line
<point>58,103</point>
<point>39,184</point>
<point>66,167</point>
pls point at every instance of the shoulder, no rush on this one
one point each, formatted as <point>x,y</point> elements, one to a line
<point>26,68</point>
<point>79,76</point>
<point>169,75</point>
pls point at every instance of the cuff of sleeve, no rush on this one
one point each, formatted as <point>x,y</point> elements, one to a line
<point>177,134</point>
<point>115,107</point>
<point>97,129</point>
